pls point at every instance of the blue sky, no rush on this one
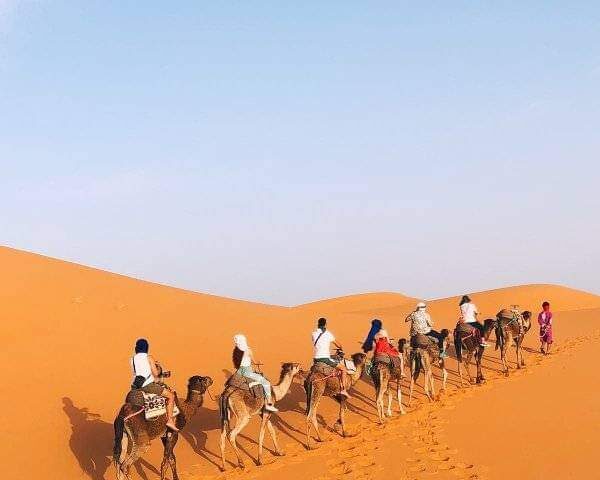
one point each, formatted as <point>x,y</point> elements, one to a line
<point>284,153</point>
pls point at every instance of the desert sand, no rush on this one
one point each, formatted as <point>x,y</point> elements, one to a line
<point>68,331</point>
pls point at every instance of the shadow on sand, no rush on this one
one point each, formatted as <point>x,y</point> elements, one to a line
<point>91,440</point>
<point>91,443</point>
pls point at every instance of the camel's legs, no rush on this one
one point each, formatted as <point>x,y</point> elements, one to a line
<point>311,420</point>
<point>129,459</point>
<point>342,417</point>
<point>460,375</point>
<point>261,435</point>
<point>444,378</point>
<point>274,438</point>
<point>468,367</point>
<point>429,378</point>
<point>520,352</point>
<point>413,367</point>
<point>169,441</point>
<point>399,397</point>
<point>136,452</point>
<point>380,393</point>
<point>119,462</point>
<point>504,363</point>
<point>222,444</point>
<point>389,405</point>
<point>241,422</point>
<point>478,358</point>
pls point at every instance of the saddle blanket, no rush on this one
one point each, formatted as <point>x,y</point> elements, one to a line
<point>421,341</point>
<point>240,382</point>
<point>393,362</point>
<point>325,369</point>
<point>465,328</point>
<point>156,405</point>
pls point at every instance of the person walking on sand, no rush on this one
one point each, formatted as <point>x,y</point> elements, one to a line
<point>545,322</point>
<point>145,372</point>
<point>243,360</point>
<point>322,340</point>
<point>468,314</point>
<point>421,323</point>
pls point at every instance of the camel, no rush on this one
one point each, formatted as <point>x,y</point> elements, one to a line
<point>133,433</point>
<point>244,405</point>
<point>318,384</point>
<point>383,374</point>
<point>423,353</point>
<point>511,325</point>
<point>467,338</point>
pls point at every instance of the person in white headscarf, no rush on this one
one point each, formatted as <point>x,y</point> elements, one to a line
<point>243,361</point>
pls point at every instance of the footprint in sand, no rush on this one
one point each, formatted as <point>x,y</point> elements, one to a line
<point>417,468</point>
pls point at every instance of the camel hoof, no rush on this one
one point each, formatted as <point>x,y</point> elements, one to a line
<point>280,454</point>
<point>242,465</point>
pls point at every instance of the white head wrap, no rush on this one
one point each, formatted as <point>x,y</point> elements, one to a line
<point>240,342</point>
<point>421,305</point>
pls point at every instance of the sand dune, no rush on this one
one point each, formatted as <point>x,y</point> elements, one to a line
<point>67,335</point>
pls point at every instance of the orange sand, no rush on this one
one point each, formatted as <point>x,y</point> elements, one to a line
<point>68,331</point>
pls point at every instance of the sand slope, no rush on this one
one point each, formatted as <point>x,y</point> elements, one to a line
<point>67,334</point>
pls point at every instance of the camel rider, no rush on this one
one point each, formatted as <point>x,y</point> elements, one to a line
<point>243,360</point>
<point>145,367</point>
<point>322,340</point>
<point>378,340</point>
<point>421,323</point>
<point>468,314</point>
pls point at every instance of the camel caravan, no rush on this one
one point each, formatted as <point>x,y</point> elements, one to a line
<point>152,410</point>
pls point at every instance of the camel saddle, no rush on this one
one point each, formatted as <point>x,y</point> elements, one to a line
<point>506,314</point>
<point>392,362</point>
<point>464,328</point>
<point>239,382</point>
<point>422,341</point>
<point>322,368</point>
<point>154,405</point>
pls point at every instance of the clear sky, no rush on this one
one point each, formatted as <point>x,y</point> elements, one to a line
<point>290,151</point>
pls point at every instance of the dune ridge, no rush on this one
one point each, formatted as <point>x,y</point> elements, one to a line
<point>68,331</point>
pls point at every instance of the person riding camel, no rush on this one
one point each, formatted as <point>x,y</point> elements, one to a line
<point>322,340</point>
<point>468,314</point>
<point>243,360</point>
<point>378,340</point>
<point>421,323</point>
<point>145,367</point>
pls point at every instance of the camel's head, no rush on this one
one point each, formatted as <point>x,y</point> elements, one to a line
<point>359,359</point>
<point>289,368</point>
<point>526,319</point>
<point>402,345</point>
<point>489,323</point>
<point>199,384</point>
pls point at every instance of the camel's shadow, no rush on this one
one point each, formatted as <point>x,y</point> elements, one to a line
<point>92,440</point>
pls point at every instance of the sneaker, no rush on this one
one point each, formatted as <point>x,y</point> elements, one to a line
<point>483,343</point>
<point>443,355</point>
<point>269,407</point>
